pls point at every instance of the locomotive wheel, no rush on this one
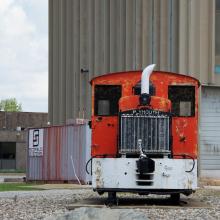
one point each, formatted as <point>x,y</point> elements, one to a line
<point>100,192</point>
<point>175,198</point>
<point>112,199</point>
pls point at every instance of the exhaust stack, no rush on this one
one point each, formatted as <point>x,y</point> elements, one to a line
<point>145,78</point>
<point>145,84</point>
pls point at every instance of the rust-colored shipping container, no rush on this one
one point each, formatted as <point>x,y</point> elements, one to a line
<point>58,153</point>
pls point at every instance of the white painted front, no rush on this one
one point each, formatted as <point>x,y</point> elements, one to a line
<point>120,173</point>
<point>210,132</point>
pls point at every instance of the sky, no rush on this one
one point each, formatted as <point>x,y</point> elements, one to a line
<point>24,53</point>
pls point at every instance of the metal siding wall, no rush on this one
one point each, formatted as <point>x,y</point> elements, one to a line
<point>117,35</point>
<point>69,56</point>
<point>138,34</point>
<point>174,35</point>
<point>59,145</point>
<point>196,39</point>
<point>7,164</point>
<point>147,29</point>
<point>113,35</point>
<point>183,39</point>
<point>55,59</point>
<point>83,51</point>
<point>209,134</point>
<point>50,70</point>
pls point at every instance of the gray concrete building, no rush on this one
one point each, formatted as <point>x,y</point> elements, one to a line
<point>104,36</point>
<point>13,137</point>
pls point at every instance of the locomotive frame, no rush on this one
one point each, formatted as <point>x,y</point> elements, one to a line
<point>144,133</point>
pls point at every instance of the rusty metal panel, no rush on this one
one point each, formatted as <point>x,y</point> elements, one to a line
<point>66,149</point>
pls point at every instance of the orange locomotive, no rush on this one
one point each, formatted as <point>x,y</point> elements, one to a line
<point>144,133</point>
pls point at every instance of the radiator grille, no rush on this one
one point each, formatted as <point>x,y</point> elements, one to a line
<point>151,127</point>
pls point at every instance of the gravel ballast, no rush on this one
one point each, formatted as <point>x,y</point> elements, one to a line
<point>51,204</point>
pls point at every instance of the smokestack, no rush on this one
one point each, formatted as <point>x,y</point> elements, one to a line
<point>145,84</point>
<point>145,78</point>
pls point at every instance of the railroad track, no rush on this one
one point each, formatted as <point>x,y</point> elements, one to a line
<point>139,203</point>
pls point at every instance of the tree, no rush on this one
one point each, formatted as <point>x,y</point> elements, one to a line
<point>10,105</point>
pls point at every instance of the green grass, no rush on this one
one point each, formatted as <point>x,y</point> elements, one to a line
<point>12,171</point>
<point>17,187</point>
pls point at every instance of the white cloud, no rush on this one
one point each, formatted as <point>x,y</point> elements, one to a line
<point>24,53</point>
<point>14,22</point>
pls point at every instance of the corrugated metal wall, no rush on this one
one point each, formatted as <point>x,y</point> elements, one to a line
<point>209,133</point>
<point>60,143</point>
<point>7,164</point>
<point>116,35</point>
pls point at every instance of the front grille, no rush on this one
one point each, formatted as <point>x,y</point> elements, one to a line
<point>151,128</point>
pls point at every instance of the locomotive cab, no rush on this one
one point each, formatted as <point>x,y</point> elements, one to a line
<point>144,133</point>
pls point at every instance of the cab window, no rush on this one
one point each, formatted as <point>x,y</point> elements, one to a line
<point>106,100</point>
<point>183,100</point>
